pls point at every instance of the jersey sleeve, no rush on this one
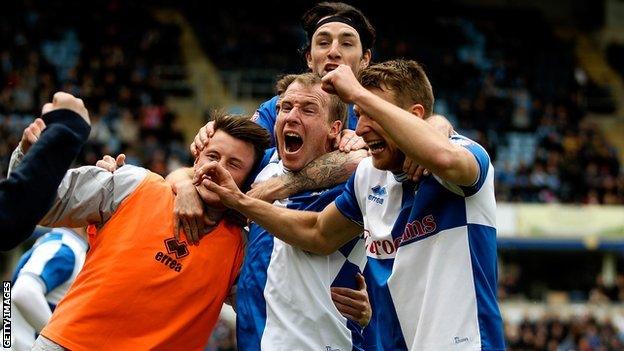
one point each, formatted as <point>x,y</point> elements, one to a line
<point>90,195</point>
<point>51,262</point>
<point>483,162</point>
<point>347,202</point>
<point>266,115</point>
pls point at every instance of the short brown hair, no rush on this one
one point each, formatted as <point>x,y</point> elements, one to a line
<point>321,10</point>
<point>243,128</point>
<point>337,108</point>
<point>405,78</point>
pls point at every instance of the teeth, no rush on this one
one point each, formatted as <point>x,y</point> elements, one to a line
<point>375,144</point>
<point>290,134</point>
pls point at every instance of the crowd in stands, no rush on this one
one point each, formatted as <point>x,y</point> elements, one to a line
<point>110,59</point>
<point>527,107</point>
<point>551,333</point>
<point>517,282</point>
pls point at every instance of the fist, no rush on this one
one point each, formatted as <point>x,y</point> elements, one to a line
<point>63,100</point>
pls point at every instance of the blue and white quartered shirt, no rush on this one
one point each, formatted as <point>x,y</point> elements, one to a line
<point>431,250</point>
<point>283,294</point>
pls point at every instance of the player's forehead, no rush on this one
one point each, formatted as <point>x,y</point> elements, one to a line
<point>228,146</point>
<point>336,30</point>
<point>305,94</point>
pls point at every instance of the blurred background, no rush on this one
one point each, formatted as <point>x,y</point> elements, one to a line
<point>538,83</point>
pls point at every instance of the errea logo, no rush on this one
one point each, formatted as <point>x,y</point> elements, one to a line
<point>175,248</point>
<point>378,192</point>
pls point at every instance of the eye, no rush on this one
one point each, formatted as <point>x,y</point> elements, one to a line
<point>310,110</point>
<point>235,164</point>
<point>347,44</point>
<point>286,107</point>
<point>323,41</point>
<point>213,156</point>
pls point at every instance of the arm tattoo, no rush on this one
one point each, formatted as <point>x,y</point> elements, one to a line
<point>325,171</point>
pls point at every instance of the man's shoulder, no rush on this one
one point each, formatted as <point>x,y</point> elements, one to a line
<point>268,107</point>
<point>462,140</point>
<point>143,179</point>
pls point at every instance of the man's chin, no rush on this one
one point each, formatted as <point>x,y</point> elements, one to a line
<point>380,163</point>
<point>210,199</point>
<point>385,164</point>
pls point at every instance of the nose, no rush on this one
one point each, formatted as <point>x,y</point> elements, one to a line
<point>222,162</point>
<point>334,50</point>
<point>292,116</point>
<point>363,125</point>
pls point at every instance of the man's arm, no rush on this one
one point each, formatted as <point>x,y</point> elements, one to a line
<point>318,232</point>
<point>323,172</point>
<point>27,195</point>
<point>415,137</point>
<point>28,295</point>
<point>89,195</point>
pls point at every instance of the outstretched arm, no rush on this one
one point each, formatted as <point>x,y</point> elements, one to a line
<point>318,232</point>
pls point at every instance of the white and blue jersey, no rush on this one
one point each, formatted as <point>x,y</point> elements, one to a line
<point>266,115</point>
<point>431,250</point>
<point>283,295</point>
<point>55,260</point>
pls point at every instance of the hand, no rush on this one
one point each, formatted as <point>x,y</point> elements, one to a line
<point>216,179</point>
<point>353,304</point>
<point>63,100</point>
<point>202,138</point>
<point>413,170</point>
<point>269,190</point>
<point>31,134</point>
<point>188,211</point>
<point>111,164</point>
<point>350,141</point>
<point>343,83</point>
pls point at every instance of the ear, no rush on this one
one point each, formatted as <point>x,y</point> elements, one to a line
<point>335,129</point>
<point>418,110</point>
<point>366,58</point>
<point>308,57</point>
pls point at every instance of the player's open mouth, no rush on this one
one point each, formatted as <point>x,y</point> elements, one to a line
<point>376,146</point>
<point>330,67</point>
<point>292,142</point>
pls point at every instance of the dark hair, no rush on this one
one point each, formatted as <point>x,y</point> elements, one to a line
<point>405,78</point>
<point>311,18</point>
<point>337,108</point>
<point>243,128</point>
